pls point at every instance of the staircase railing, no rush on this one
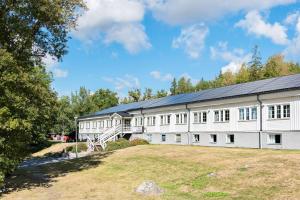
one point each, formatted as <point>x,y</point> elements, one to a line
<point>109,135</point>
<point>90,144</point>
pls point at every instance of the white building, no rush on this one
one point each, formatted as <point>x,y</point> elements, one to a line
<point>260,114</point>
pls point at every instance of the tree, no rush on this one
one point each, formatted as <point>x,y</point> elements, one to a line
<point>28,109</point>
<point>135,95</point>
<point>243,75</point>
<point>173,88</point>
<point>202,85</point>
<point>161,93</point>
<point>184,85</point>
<point>65,117</point>
<point>255,65</point>
<point>148,94</point>
<point>31,29</point>
<point>82,102</point>
<point>104,98</point>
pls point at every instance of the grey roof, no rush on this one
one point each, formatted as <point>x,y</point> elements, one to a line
<point>283,83</point>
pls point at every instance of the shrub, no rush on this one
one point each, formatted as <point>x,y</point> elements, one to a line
<point>138,142</point>
<point>80,147</point>
<point>119,144</point>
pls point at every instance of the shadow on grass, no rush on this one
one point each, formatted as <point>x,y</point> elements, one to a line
<point>44,175</point>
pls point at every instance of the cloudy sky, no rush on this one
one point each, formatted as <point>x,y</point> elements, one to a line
<point>125,44</point>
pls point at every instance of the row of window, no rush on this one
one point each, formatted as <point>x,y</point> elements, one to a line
<point>223,115</point>
<point>213,138</point>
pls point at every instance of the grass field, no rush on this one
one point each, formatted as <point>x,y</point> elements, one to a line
<point>184,172</point>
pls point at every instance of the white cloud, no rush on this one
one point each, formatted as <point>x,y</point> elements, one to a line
<point>255,24</point>
<point>52,65</point>
<point>192,40</point>
<point>234,58</point>
<point>125,82</point>
<point>292,51</point>
<point>114,21</point>
<point>178,12</point>
<point>292,18</point>
<point>162,77</point>
<point>188,76</point>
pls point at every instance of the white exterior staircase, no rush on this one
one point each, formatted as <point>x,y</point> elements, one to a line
<point>110,134</point>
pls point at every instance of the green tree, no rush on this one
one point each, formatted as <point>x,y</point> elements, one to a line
<point>243,75</point>
<point>104,98</point>
<point>82,102</point>
<point>184,85</point>
<point>28,109</point>
<point>202,85</point>
<point>135,95</point>
<point>255,65</point>
<point>31,29</point>
<point>173,88</point>
<point>148,94</point>
<point>161,93</point>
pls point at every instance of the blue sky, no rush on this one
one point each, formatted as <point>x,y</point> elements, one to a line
<point>125,44</point>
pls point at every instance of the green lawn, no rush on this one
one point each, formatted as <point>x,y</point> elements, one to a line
<point>184,172</point>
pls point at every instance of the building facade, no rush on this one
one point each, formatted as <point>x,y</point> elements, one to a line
<point>260,114</point>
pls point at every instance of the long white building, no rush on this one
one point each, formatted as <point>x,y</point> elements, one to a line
<point>260,114</point>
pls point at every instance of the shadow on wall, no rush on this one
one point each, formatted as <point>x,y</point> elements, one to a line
<point>44,175</point>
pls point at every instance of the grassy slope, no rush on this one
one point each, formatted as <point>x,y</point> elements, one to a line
<point>180,170</point>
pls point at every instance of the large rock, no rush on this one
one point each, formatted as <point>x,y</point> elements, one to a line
<point>149,188</point>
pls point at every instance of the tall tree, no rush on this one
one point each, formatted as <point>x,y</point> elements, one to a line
<point>173,88</point>
<point>184,85</point>
<point>31,29</point>
<point>147,94</point>
<point>135,95</point>
<point>104,98</point>
<point>202,85</point>
<point>255,65</point>
<point>243,75</point>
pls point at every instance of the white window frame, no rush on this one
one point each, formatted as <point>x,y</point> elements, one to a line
<point>247,113</point>
<point>163,136</point>
<point>178,138</point>
<point>87,125</point>
<point>211,138</point>
<point>196,141</point>
<point>272,139</point>
<point>94,124</point>
<point>199,117</point>
<point>151,120</point>
<point>165,120</point>
<point>81,125</point>
<point>279,111</point>
<point>221,115</point>
<point>181,118</point>
<point>138,121</point>
<point>228,138</point>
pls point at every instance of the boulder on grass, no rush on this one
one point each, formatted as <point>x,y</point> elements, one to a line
<point>149,188</point>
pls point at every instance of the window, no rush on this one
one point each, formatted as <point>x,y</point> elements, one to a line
<point>196,138</point>
<point>81,125</point>
<point>181,118</point>
<point>230,139</point>
<point>200,117</point>
<point>242,114</point>
<point>222,115</point>
<point>271,112</point>
<point>286,111</point>
<point>213,138</point>
<point>94,125</point>
<point>149,137</point>
<point>204,117</point>
<point>178,138</point>
<point>274,139</point>
<point>217,118</point>
<point>151,121</point>
<point>163,137</point>
<point>165,120</point>
<point>254,113</point>
<point>248,113</point>
<point>108,123</point>
<point>279,111</point>
<point>87,125</point>
<point>138,121</point>
<point>227,115</point>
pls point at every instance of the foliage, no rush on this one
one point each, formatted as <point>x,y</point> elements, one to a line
<point>119,144</point>
<point>28,109</point>
<point>161,93</point>
<point>32,29</point>
<point>137,141</point>
<point>80,147</point>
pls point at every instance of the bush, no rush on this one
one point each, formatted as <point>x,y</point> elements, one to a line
<point>138,142</point>
<point>119,144</point>
<point>80,147</point>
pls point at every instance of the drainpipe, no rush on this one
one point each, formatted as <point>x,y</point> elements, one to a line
<point>260,121</point>
<point>189,122</point>
<point>143,127</point>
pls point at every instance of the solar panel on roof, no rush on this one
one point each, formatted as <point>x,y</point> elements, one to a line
<point>273,84</point>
